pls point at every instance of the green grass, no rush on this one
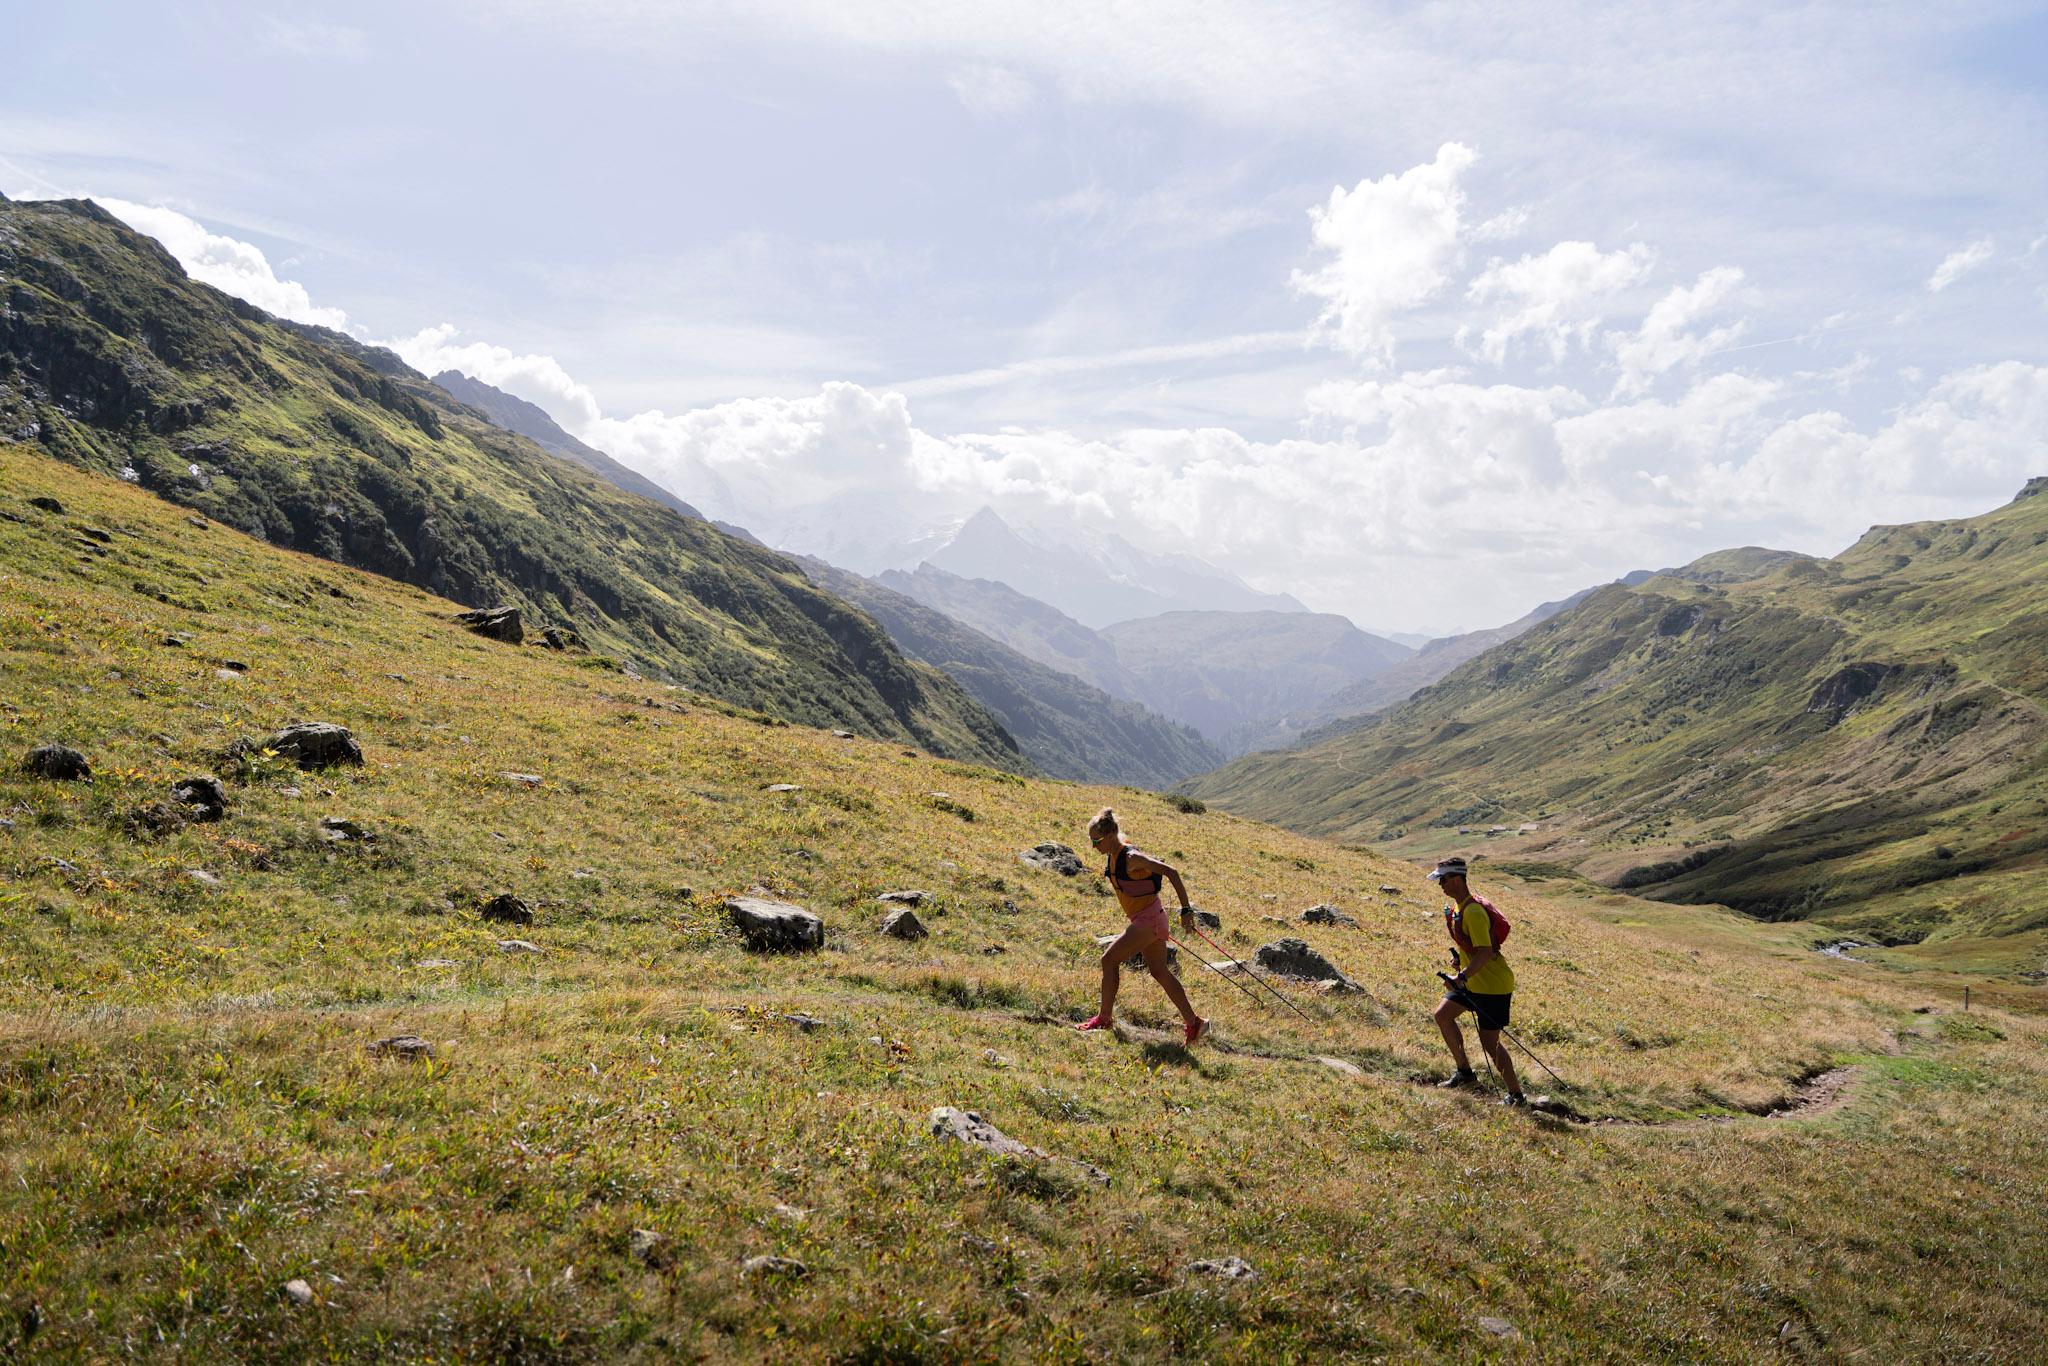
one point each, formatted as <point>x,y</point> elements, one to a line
<point>189,1117</point>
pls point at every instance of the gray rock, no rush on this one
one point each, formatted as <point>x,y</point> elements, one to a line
<point>783,787</point>
<point>1385,890</point>
<point>316,744</point>
<point>1052,858</point>
<point>47,504</point>
<point>522,779</point>
<point>965,1126</point>
<point>437,963</point>
<point>904,898</point>
<point>785,1268</point>
<point>410,1047</point>
<point>842,735</point>
<point>1208,920</point>
<point>495,623</point>
<point>1339,1065</point>
<point>177,640</point>
<point>298,1292</point>
<point>519,946</point>
<point>60,763</point>
<point>202,877</point>
<point>1499,1328</point>
<point>204,794</point>
<point>646,1245</point>
<point>809,1024</point>
<point>342,830</point>
<point>903,923</point>
<point>562,638</point>
<point>1223,1268</point>
<point>508,909</point>
<point>774,926</point>
<point>1327,915</point>
<point>1294,958</point>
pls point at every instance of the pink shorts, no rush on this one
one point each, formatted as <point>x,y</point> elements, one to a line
<point>1153,918</point>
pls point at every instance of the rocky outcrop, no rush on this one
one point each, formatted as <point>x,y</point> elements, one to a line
<point>1294,958</point>
<point>965,1126</point>
<point>495,623</point>
<point>903,923</point>
<point>203,796</point>
<point>316,744</point>
<point>1052,858</point>
<point>60,763</point>
<point>1850,687</point>
<point>774,926</point>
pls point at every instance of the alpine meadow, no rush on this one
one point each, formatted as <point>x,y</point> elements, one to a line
<point>988,683</point>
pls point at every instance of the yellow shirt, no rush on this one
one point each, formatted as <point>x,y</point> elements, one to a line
<point>1496,978</point>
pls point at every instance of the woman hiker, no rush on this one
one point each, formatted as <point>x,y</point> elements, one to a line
<point>1136,878</point>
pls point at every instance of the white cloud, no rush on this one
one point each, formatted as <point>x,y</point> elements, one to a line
<point>1393,243</point>
<point>537,379</point>
<point>1556,298</point>
<point>992,92</point>
<point>310,38</point>
<point>1666,340</point>
<point>1502,226</point>
<point>1959,263</point>
<point>227,263</point>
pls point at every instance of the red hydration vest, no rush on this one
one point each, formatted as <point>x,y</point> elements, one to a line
<point>1456,923</point>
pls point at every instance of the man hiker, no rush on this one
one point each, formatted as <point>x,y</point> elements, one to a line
<point>1484,984</point>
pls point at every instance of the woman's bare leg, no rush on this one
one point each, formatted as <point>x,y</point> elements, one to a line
<point>1130,942</point>
<point>1155,959</point>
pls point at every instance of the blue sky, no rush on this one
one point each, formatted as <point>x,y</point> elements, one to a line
<point>1424,313</point>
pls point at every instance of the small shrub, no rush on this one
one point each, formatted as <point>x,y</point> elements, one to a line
<point>1969,1029</point>
<point>1187,806</point>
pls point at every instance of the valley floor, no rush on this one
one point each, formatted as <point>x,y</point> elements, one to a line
<point>612,1125</point>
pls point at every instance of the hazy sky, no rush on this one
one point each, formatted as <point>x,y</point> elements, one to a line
<point>1421,312</point>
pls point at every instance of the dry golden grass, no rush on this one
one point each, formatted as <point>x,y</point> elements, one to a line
<point>190,1119</point>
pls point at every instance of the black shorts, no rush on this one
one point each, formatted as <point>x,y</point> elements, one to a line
<point>1491,1010</point>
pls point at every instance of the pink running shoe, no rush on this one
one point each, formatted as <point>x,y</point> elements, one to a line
<point>1196,1030</point>
<point>1092,1022</point>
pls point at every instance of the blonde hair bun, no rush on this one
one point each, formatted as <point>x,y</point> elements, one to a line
<point>1105,819</point>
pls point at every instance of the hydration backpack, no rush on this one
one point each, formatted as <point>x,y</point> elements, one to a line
<point>1498,922</point>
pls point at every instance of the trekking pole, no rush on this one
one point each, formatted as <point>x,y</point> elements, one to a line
<point>1459,995</point>
<point>1256,978</point>
<point>1257,1000</point>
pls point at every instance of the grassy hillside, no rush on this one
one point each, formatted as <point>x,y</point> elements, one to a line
<point>1064,726</point>
<point>610,1127</point>
<point>1856,741</point>
<point>111,359</point>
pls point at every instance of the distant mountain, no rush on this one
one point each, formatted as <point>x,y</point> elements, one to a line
<point>1353,707</point>
<point>111,359</point>
<point>1861,740</point>
<point>1096,578</point>
<point>1064,726</point>
<point>1414,640</point>
<point>1247,679</point>
<point>1028,626</point>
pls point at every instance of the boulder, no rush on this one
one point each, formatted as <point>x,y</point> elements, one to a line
<point>1327,915</point>
<point>774,926</point>
<point>410,1047</point>
<point>316,744</point>
<point>204,794</point>
<point>562,638</point>
<point>965,1126</point>
<point>61,763</point>
<point>1385,890</point>
<point>1208,920</point>
<point>528,780</point>
<point>47,504</point>
<point>342,830</point>
<point>495,623</point>
<point>904,898</point>
<point>783,787</point>
<point>1223,1268</point>
<point>298,1292</point>
<point>1294,958</point>
<point>1499,1328</point>
<point>902,923</point>
<point>1052,858</point>
<point>508,909</point>
<point>519,946</point>
<point>647,1247</point>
